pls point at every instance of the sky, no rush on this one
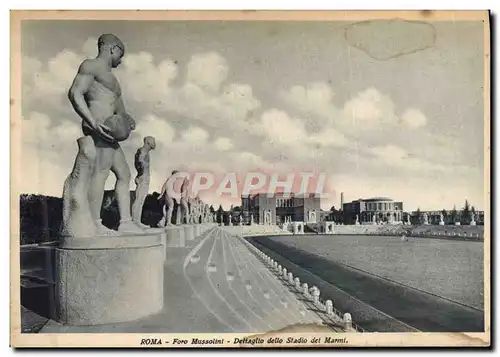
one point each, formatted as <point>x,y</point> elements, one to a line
<point>383,108</point>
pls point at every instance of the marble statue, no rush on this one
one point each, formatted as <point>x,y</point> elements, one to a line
<point>357,220</point>
<point>95,95</point>
<point>472,219</point>
<point>240,219</point>
<point>374,219</point>
<point>251,220</point>
<point>195,210</point>
<point>426,218</point>
<point>230,220</point>
<point>142,179</point>
<point>168,206</point>
<point>441,219</point>
<point>184,207</point>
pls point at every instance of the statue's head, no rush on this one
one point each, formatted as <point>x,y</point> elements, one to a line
<point>150,141</point>
<point>111,45</point>
<point>175,172</point>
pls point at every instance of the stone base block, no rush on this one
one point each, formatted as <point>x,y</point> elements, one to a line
<point>441,223</point>
<point>189,232</point>
<point>203,228</point>
<point>197,230</point>
<point>163,237</point>
<point>175,236</point>
<point>113,279</point>
<point>473,223</point>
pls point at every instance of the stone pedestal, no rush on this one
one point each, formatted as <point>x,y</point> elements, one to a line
<point>197,230</point>
<point>472,223</point>
<point>163,238</point>
<point>441,223</point>
<point>298,227</point>
<point>175,236</point>
<point>103,280</point>
<point>189,232</point>
<point>457,223</point>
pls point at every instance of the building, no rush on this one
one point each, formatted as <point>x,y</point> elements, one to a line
<point>376,209</point>
<point>275,209</point>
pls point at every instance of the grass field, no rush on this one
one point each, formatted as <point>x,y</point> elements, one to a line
<point>452,269</point>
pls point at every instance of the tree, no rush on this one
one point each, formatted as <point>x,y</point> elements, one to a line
<point>220,214</point>
<point>466,212</point>
<point>212,209</point>
<point>454,214</point>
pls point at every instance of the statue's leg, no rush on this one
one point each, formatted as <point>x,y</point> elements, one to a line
<point>77,218</point>
<point>140,196</point>
<point>170,210</point>
<point>103,163</point>
<point>122,190</point>
<point>185,213</point>
<point>164,216</point>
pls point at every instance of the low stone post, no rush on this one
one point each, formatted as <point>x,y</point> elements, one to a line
<point>297,282</point>
<point>305,289</point>
<point>315,294</point>
<point>347,321</point>
<point>329,307</point>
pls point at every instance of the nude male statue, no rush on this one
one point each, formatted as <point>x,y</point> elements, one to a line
<point>95,95</point>
<point>169,190</point>
<point>194,209</point>
<point>186,212</point>
<point>141,161</point>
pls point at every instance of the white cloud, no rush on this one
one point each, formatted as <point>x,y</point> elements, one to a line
<point>223,144</point>
<point>369,109</point>
<point>89,47</point>
<point>392,155</point>
<point>280,128</point>
<point>207,70</point>
<point>329,137</point>
<point>247,160</point>
<point>48,152</point>
<point>145,82</point>
<point>157,127</point>
<point>195,136</point>
<point>413,118</point>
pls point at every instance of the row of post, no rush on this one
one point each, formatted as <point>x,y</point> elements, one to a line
<point>311,294</point>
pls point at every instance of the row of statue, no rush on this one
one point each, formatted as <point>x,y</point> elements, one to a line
<point>96,97</point>
<point>192,209</point>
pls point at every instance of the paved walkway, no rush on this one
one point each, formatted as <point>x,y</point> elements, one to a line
<point>217,283</point>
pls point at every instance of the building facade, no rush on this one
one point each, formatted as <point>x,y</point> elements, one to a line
<point>276,209</point>
<point>373,210</point>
